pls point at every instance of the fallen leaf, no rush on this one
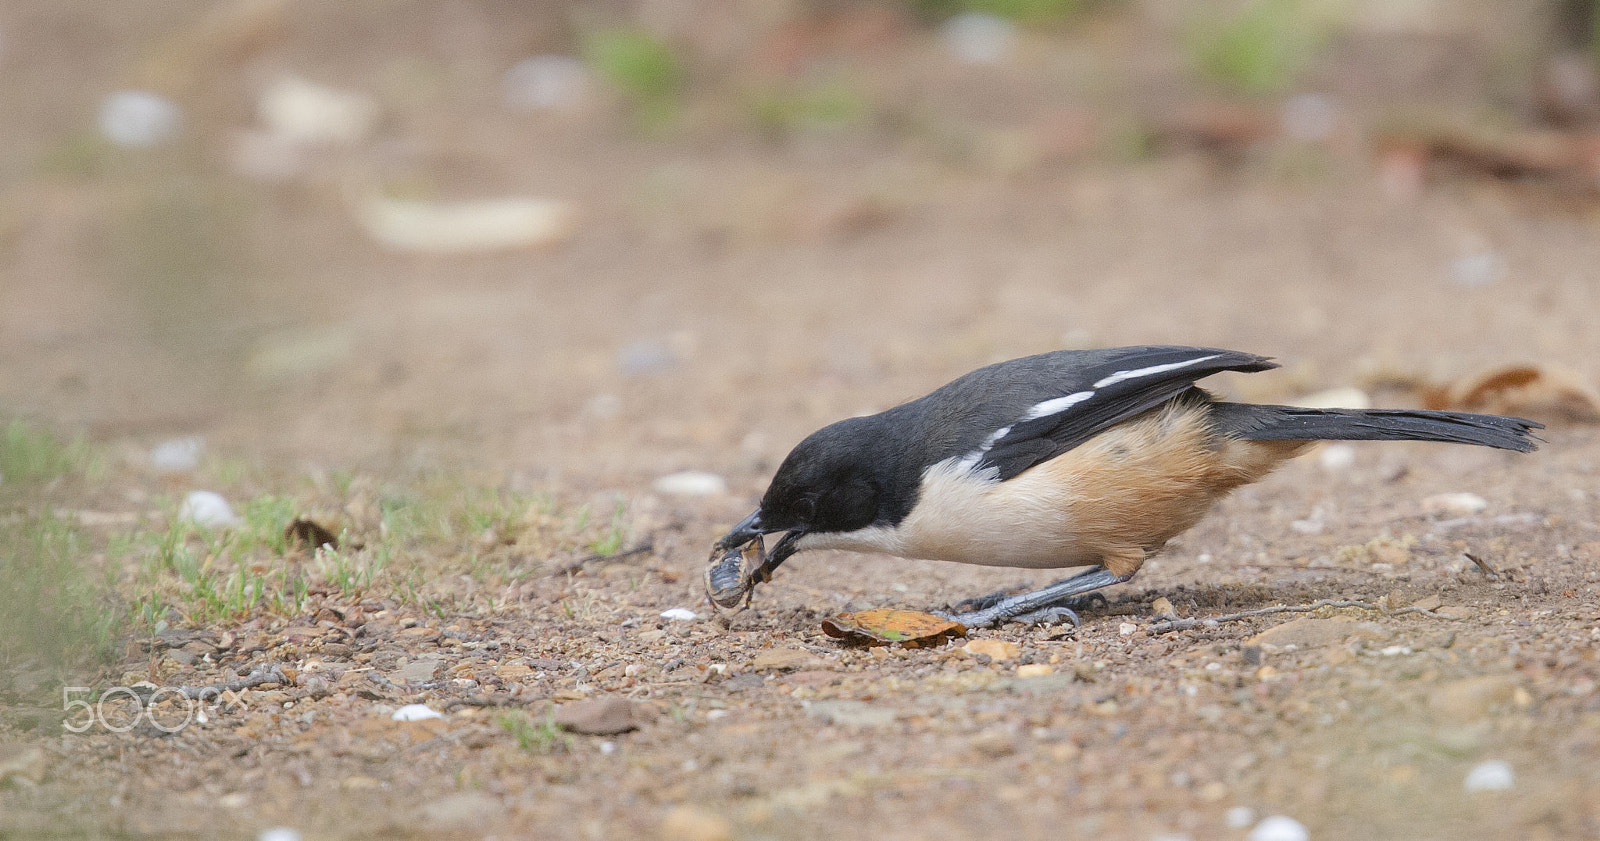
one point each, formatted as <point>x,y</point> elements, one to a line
<point>910,628</point>
<point>1539,392</point>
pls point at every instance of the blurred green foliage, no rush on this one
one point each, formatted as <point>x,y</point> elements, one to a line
<point>780,111</point>
<point>1262,48</point>
<point>1022,11</point>
<point>55,611</point>
<point>642,67</point>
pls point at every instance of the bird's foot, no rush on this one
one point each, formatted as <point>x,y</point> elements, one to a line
<point>1049,605</point>
<point>977,603</point>
<point>1059,614</point>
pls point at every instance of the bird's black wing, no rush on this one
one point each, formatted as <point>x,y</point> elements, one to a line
<point>1020,413</point>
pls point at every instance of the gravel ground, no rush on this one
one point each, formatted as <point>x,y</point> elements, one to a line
<point>720,299</point>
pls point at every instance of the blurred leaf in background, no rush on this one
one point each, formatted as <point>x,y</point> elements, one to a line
<point>1037,12</point>
<point>1263,47</point>
<point>642,67</point>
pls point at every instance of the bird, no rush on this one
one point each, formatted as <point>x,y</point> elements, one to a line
<point>1073,458</point>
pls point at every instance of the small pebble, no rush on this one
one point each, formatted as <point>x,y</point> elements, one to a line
<point>691,483</point>
<point>544,82</point>
<point>1478,269</point>
<point>603,716</point>
<point>1279,828</point>
<point>208,509</point>
<point>682,614</point>
<point>1127,628</point>
<point>1240,817</point>
<point>416,712</point>
<point>608,748</point>
<point>1309,118</point>
<point>1455,504</point>
<point>979,37</point>
<point>645,358</point>
<point>279,833</point>
<point>1337,457</point>
<point>1490,775</point>
<point>308,113</point>
<point>139,119</point>
<point>177,455</point>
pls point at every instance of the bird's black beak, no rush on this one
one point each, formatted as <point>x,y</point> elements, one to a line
<point>748,529</point>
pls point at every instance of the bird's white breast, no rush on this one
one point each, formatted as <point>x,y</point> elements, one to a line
<point>966,517</point>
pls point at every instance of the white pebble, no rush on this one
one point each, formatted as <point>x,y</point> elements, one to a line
<point>1309,118</point>
<point>681,614</point>
<point>1307,526</point>
<point>279,833</point>
<point>466,227</point>
<point>1337,457</point>
<point>139,119</point>
<point>608,748</point>
<point>1127,628</point>
<point>1395,650</point>
<point>304,112</point>
<point>1279,828</point>
<point>1240,817</point>
<point>979,37</point>
<point>177,455</point>
<point>544,82</point>
<point>208,509</point>
<point>1479,269</point>
<point>691,483</point>
<point>1455,504</point>
<point>1490,775</point>
<point>416,712</point>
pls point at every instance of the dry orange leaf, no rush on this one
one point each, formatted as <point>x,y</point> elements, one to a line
<point>1540,392</point>
<point>910,628</point>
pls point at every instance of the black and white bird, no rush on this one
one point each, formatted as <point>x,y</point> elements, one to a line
<point>1089,458</point>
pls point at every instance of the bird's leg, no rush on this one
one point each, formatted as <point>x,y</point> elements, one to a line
<point>1074,604</point>
<point>1042,604</point>
<point>981,602</point>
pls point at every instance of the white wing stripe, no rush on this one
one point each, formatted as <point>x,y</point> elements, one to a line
<point>1145,372</point>
<point>1055,406</point>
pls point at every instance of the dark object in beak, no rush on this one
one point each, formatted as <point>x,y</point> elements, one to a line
<point>780,553</point>
<point>748,529</point>
<point>731,579</point>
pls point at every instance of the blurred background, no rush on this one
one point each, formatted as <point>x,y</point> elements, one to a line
<point>596,242</point>
<point>524,301</point>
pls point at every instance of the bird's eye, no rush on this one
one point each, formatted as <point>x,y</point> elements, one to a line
<point>806,508</point>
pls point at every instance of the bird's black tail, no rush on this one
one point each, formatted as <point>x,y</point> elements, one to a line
<point>1288,423</point>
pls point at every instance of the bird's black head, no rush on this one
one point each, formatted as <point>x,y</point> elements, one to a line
<point>833,481</point>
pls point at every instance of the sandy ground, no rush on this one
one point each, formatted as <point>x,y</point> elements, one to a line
<point>722,298</point>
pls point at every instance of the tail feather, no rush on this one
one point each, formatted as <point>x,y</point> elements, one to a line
<point>1288,423</point>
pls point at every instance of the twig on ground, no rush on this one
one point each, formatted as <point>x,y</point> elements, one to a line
<point>490,699</point>
<point>1483,565</point>
<point>261,675</point>
<point>1213,621</point>
<point>575,565</point>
